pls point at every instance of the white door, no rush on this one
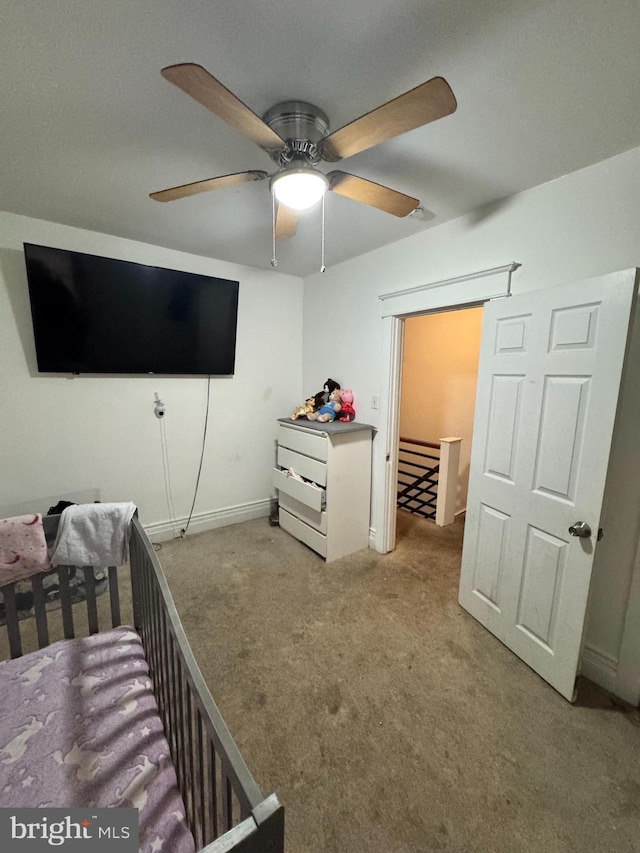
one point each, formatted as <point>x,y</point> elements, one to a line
<point>548,382</point>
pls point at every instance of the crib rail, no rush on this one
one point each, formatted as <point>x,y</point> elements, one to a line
<point>43,615</point>
<point>225,808</point>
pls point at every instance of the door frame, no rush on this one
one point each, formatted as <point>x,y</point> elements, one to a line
<point>467,291</point>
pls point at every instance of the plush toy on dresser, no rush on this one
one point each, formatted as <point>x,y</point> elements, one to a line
<point>303,411</point>
<point>329,410</point>
<point>347,412</point>
<point>323,397</point>
<point>314,404</point>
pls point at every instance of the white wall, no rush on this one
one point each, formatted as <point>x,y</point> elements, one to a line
<point>439,378</point>
<point>67,436</point>
<point>576,227</point>
<point>610,585</point>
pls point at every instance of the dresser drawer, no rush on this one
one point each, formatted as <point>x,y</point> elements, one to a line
<point>311,469</point>
<point>303,532</point>
<point>303,492</point>
<point>309,443</point>
<point>312,517</point>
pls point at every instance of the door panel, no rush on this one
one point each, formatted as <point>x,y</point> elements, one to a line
<point>493,534</point>
<point>560,440</point>
<point>504,417</point>
<point>548,382</point>
<point>542,575</point>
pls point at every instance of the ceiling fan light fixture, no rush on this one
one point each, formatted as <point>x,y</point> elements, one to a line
<point>299,188</point>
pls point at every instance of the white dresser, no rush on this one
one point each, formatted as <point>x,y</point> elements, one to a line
<point>332,516</point>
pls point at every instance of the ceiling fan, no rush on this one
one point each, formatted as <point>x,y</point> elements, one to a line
<point>296,136</point>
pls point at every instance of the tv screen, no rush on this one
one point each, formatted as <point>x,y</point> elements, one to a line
<point>100,315</point>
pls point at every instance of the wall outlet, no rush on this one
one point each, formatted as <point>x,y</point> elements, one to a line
<point>159,408</point>
<point>375,402</point>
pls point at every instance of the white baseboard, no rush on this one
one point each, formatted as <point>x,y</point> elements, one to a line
<point>161,531</point>
<point>599,668</point>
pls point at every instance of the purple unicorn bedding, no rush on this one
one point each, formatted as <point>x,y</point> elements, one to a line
<point>79,727</point>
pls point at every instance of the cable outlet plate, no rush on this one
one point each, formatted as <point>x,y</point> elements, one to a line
<point>159,407</point>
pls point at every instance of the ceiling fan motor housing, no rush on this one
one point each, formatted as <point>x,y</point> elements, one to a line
<point>302,126</point>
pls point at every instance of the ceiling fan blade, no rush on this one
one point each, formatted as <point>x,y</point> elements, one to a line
<point>428,102</point>
<point>185,190</point>
<point>204,88</point>
<point>375,195</point>
<point>286,222</point>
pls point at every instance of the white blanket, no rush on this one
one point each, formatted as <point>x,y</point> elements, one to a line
<point>94,535</point>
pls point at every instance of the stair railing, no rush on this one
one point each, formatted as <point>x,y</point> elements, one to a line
<point>428,477</point>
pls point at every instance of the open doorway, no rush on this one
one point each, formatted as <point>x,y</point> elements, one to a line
<point>396,307</point>
<point>439,374</point>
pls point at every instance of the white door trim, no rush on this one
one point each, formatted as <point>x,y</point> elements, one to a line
<point>394,295</point>
<point>385,462</point>
<point>467,291</point>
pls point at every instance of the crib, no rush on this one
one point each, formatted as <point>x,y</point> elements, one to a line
<point>223,807</point>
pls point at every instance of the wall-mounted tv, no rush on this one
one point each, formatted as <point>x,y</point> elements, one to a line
<point>100,315</point>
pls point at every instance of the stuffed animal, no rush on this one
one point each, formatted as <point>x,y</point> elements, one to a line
<point>330,386</point>
<point>322,397</point>
<point>319,399</point>
<point>347,412</point>
<point>303,411</point>
<point>329,410</point>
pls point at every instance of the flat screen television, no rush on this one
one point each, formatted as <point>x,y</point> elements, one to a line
<point>100,315</point>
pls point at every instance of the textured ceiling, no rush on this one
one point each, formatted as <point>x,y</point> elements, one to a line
<point>89,127</point>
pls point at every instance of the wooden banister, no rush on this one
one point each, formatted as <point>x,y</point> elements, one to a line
<point>420,443</point>
<point>432,489</point>
<point>448,482</point>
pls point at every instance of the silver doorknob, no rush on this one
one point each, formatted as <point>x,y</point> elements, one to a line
<point>581,529</point>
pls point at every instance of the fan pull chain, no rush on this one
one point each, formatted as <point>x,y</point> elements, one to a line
<point>274,260</point>
<point>322,266</point>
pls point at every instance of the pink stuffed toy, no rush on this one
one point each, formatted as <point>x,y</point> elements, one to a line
<point>347,412</point>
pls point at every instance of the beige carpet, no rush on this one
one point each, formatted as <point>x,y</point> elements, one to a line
<point>385,718</point>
